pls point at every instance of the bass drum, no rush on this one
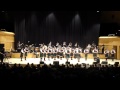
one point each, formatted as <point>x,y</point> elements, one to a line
<point>45,47</point>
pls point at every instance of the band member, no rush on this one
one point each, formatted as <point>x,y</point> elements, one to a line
<point>71,52</point>
<point>89,48</point>
<point>64,48</point>
<point>26,51</point>
<point>45,53</point>
<point>49,53</point>
<point>77,52</point>
<point>95,52</point>
<point>67,53</point>
<point>98,49</point>
<point>86,51</point>
<point>22,53</point>
<point>42,51</point>
<point>61,53</point>
<point>58,51</point>
<point>2,53</point>
<point>54,52</point>
<point>103,48</point>
<point>106,52</point>
<point>112,52</point>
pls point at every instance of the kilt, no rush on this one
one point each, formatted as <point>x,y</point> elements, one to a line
<point>107,55</point>
<point>54,54</point>
<point>44,54</point>
<point>41,54</point>
<point>77,55</point>
<point>67,55</point>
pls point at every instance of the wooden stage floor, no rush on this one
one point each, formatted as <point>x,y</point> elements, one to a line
<point>63,61</point>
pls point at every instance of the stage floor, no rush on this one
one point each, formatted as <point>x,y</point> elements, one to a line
<point>50,61</point>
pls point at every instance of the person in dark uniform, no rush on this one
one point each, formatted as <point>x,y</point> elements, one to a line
<point>86,51</point>
<point>61,53</point>
<point>112,52</point>
<point>54,53</point>
<point>95,52</point>
<point>26,51</point>
<point>49,53</point>
<point>103,48</point>
<point>2,53</point>
<point>77,52</point>
<point>67,53</point>
<point>41,53</point>
<point>22,53</point>
<point>106,52</point>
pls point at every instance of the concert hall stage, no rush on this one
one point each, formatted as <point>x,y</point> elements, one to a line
<point>51,61</point>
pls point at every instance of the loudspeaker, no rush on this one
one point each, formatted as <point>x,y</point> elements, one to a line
<point>94,62</point>
<point>41,62</point>
<point>104,62</point>
<point>116,63</point>
<point>56,63</point>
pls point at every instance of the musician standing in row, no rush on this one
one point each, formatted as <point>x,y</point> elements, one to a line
<point>95,52</point>
<point>49,52</point>
<point>54,53</point>
<point>42,53</point>
<point>106,52</point>
<point>113,54</point>
<point>77,54</point>
<point>103,47</point>
<point>23,52</point>
<point>61,51</point>
<point>67,53</point>
<point>86,51</point>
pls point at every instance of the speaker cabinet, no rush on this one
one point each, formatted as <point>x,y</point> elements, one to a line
<point>41,62</point>
<point>104,62</point>
<point>56,63</point>
<point>116,63</point>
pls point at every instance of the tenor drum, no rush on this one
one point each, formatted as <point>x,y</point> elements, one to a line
<point>37,49</point>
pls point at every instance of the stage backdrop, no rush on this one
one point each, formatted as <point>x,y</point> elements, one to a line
<point>57,26</point>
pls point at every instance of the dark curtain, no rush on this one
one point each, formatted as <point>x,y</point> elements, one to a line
<point>108,28</point>
<point>58,26</point>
